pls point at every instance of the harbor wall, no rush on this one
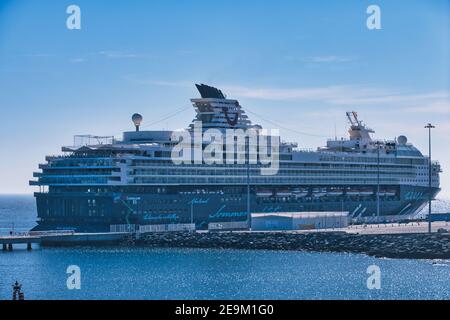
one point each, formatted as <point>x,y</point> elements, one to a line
<point>403,246</point>
<point>393,245</point>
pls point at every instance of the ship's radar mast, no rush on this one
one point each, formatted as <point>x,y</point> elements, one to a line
<point>353,118</point>
<point>355,122</point>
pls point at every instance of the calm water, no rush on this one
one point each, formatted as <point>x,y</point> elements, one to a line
<point>140,273</point>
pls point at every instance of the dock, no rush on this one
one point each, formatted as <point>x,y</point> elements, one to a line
<point>62,239</point>
<point>394,231</point>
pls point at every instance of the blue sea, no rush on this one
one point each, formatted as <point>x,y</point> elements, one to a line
<point>141,273</point>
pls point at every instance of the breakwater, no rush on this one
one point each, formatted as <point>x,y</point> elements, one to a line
<point>402,246</point>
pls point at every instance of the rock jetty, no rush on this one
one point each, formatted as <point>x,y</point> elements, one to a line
<point>401,246</point>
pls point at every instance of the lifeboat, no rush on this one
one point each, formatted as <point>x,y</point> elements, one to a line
<point>319,192</point>
<point>284,193</point>
<point>264,193</point>
<point>300,192</point>
<point>352,192</point>
<point>391,193</point>
<point>335,192</point>
<point>366,192</point>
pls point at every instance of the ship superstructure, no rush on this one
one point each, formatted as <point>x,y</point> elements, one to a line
<point>135,181</point>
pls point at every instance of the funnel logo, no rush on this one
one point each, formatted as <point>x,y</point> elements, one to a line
<point>231,146</point>
<point>234,121</point>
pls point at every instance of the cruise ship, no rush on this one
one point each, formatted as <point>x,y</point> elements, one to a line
<point>102,182</point>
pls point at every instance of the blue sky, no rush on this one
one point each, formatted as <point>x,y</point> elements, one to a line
<point>299,64</point>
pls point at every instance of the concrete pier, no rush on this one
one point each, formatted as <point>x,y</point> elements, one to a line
<point>63,239</point>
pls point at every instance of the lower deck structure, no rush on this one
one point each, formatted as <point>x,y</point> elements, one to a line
<point>96,212</point>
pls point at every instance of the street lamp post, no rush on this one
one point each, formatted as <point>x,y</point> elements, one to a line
<point>248,181</point>
<point>430,195</point>
<point>378,144</point>
<point>192,211</point>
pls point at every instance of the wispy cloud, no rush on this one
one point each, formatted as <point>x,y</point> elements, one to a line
<point>342,95</point>
<point>328,59</point>
<point>320,59</point>
<point>184,52</point>
<point>388,96</point>
<point>123,55</point>
<point>161,83</point>
<point>351,95</point>
<point>38,55</point>
<point>286,94</point>
<point>436,107</point>
<point>77,60</point>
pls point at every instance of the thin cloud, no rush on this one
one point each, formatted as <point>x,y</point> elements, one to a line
<point>77,60</point>
<point>389,97</point>
<point>329,59</point>
<point>343,95</point>
<point>161,83</point>
<point>38,55</point>
<point>436,107</point>
<point>122,55</point>
<point>295,94</point>
<point>321,59</point>
<point>340,95</point>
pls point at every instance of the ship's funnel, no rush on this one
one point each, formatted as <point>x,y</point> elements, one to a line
<point>209,92</point>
